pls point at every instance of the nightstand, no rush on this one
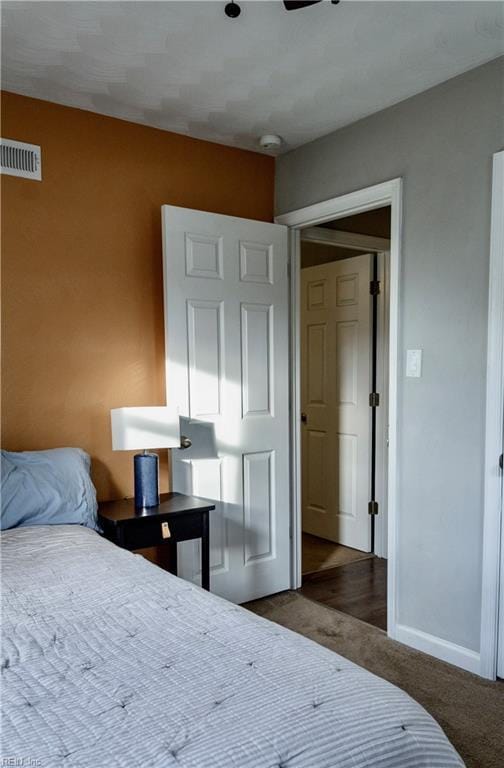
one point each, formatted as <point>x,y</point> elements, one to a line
<point>176,518</point>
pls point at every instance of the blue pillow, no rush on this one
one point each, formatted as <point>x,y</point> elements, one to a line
<point>47,488</point>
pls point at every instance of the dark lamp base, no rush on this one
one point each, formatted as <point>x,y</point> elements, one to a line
<point>146,480</point>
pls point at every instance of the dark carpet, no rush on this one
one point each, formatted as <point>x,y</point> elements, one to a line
<point>469,709</point>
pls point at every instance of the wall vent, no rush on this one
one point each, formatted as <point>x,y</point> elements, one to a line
<point>20,159</point>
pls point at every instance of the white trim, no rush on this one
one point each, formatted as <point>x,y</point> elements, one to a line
<point>441,649</point>
<point>368,199</point>
<point>493,506</point>
<point>295,415</point>
<point>341,239</point>
<point>381,520</point>
<point>387,193</point>
<point>393,454</point>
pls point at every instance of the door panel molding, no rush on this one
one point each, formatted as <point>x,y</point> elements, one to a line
<point>257,342</point>
<point>259,506</point>
<point>316,347</point>
<point>205,343</point>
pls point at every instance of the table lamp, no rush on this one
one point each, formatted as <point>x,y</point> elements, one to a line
<point>144,428</point>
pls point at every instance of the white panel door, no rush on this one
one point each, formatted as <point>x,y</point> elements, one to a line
<point>226,314</point>
<point>335,387</point>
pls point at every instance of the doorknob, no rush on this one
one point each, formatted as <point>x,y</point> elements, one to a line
<point>304,418</point>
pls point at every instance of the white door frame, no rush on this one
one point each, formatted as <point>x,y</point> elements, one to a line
<point>350,240</point>
<point>382,417</point>
<point>492,636</point>
<point>388,193</point>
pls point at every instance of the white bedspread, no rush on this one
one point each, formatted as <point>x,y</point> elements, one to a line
<point>109,661</point>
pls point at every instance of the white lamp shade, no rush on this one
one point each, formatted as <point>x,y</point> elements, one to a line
<point>142,428</point>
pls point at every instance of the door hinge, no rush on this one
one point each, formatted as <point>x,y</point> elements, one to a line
<point>501,461</point>
<point>373,508</point>
<point>374,399</point>
<point>374,287</point>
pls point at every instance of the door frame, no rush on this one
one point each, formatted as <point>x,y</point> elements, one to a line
<point>388,193</point>
<point>382,416</point>
<point>492,625</point>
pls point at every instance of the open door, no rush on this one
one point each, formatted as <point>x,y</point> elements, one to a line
<point>227,368</point>
<point>335,387</point>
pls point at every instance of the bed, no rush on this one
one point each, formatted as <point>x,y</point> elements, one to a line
<point>107,660</point>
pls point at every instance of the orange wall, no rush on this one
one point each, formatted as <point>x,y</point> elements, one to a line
<point>82,305</point>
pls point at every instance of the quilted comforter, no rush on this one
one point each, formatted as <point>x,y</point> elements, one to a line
<point>109,661</point>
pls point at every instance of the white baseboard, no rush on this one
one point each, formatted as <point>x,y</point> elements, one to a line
<point>439,648</point>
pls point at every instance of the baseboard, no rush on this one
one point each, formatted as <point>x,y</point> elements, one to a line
<point>439,648</point>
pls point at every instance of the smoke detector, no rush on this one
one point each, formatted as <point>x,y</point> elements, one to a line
<point>270,141</point>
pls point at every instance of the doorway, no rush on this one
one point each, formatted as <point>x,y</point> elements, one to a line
<point>386,194</point>
<point>343,279</point>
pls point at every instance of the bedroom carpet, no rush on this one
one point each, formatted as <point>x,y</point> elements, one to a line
<point>469,709</point>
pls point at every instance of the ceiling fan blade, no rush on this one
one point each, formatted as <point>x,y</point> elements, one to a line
<point>293,5</point>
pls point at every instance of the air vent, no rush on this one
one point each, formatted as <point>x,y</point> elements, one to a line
<point>19,159</point>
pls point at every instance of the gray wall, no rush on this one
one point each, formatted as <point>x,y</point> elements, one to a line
<point>441,143</point>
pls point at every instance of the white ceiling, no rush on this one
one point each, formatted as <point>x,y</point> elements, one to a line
<point>185,67</point>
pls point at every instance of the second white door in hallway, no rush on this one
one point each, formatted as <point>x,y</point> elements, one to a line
<point>336,376</point>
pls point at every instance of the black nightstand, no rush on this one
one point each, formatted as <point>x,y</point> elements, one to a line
<point>176,518</point>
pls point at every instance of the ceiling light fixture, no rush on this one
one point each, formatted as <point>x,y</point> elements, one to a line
<point>232,10</point>
<point>294,5</point>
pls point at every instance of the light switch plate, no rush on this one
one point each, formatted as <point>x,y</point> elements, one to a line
<point>414,363</point>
